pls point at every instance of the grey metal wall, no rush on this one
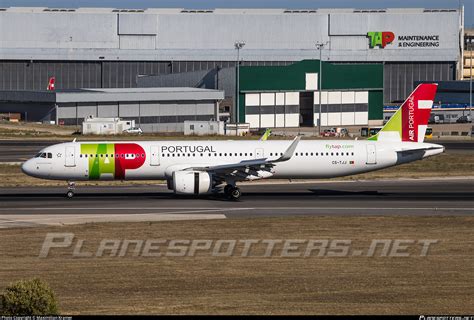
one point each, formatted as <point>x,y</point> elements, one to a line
<point>34,75</point>
<point>150,116</point>
<point>400,78</point>
<point>26,75</point>
<point>187,35</point>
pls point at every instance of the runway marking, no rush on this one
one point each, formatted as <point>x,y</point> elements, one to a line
<point>187,209</point>
<point>21,220</point>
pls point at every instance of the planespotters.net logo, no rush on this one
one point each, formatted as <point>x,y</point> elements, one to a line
<point>380,38</point>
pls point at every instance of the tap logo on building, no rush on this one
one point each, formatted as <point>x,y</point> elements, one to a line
<point>380,38</point>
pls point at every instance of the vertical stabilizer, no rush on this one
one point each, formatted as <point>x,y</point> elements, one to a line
<point>410,121</point>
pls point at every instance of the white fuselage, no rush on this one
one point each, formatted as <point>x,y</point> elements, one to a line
<point>139,160</point>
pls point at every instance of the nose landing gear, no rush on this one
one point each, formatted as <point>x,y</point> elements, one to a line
<point>71,186</point>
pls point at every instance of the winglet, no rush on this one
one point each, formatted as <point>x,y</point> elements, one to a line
<point>290,151</point>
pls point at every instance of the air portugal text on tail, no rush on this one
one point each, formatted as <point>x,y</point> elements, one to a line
<point>410,121</point>
<point>206,167</point>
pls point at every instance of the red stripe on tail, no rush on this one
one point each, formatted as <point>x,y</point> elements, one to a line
<point>412,115</point>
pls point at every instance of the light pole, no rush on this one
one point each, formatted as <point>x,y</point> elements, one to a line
<point>238,45</point>
<point>470,82</point>
<point>320,46</point>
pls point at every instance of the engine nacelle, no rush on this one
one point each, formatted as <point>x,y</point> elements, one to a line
<point>192,182</point>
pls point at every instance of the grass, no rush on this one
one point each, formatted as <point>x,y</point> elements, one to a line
<point>440,283</point>
<point>443,165</point>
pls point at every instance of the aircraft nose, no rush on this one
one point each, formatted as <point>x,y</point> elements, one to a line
<point>28,167</point>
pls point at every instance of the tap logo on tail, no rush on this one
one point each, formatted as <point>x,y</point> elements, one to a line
<point>410,121</point>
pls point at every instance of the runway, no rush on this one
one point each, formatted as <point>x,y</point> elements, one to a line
<point>140,203</point>
<point>21,150</point>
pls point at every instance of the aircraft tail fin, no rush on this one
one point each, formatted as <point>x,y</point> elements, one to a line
<point>51,84</point>
<point>265,136</point>
<point>410,121</point>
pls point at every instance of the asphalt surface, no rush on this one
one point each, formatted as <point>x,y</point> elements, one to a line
<point>390,197</point>
<point>22,150</point>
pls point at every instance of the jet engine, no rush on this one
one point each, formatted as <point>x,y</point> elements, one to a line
<point>192,182</point>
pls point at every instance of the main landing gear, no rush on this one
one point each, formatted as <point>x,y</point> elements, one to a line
<point>71,186</point>
<point>232,192</point>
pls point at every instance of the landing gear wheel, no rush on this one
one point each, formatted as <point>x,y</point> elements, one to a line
<point>71,186</point>
<point>227,189</point>
<point>235,193</point>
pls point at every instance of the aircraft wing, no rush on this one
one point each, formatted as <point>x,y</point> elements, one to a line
<point>241,170</point>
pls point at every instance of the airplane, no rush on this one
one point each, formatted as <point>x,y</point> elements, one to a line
<point>266,135</point>
<point>51,84</point>
<point>206,167</point>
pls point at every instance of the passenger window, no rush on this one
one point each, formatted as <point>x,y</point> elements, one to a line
<point>327,153</point>
<point>80,156</point>
<point>352,153</point>
<point>241,154</point>
<point>306,154</point>
<point>101,155</point>
<point>332,153</point>
<point>143,155</point>
<point>245,154</point>
<point>337,153</point>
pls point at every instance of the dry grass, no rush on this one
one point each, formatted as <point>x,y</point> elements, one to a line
<point>440,283</point>
<point>444,165</point>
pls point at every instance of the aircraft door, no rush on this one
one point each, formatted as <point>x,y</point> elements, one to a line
<point>259,153</point>
<point>70,157</point>
<point>371,154</point>
<point>154,156</point>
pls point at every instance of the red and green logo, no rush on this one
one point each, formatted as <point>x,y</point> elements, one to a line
<point>380,39</point>
<point>112,159</point>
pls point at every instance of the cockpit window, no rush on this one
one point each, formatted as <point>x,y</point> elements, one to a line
<point>44,155</point>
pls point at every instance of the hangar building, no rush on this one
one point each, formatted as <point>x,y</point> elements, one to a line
<point>153,109</point>
<point>112,48</point>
